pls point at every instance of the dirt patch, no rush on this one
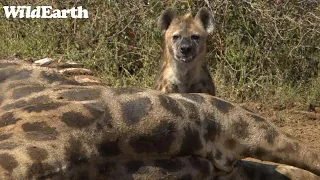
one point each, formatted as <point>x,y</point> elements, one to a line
<point>296,120</point>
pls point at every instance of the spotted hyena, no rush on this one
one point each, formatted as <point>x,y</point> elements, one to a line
<point>183,65</point>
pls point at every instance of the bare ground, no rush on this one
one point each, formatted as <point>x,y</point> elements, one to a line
<point>298,121</point>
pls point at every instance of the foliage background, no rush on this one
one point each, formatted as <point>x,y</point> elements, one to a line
<point>266,51</point>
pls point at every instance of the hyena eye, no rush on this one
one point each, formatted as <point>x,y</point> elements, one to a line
<point>195,37</point>
<point>175,37</point>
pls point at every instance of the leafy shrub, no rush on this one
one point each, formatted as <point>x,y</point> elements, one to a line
<point>258,51</point>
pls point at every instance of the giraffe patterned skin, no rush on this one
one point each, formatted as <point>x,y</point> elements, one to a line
<point>52,127</point>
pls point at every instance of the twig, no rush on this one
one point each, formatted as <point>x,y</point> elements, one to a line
<point>121,29</point>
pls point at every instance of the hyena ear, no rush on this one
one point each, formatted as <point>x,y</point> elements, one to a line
<point>206,19</point>
<point>165,19</point>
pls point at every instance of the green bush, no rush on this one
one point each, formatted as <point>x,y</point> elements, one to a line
<point>260,50</point>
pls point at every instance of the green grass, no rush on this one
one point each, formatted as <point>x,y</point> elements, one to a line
<point>259,51</point>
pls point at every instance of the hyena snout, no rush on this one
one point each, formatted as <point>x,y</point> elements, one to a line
<point>186,50</point>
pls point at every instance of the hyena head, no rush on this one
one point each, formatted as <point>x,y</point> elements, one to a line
<point>185,36</point>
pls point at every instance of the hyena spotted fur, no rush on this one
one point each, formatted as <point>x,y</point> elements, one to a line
<point>183,66</point>
<point>52,127</point>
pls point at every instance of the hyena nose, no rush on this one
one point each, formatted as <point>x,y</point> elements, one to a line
<point>185,49</point>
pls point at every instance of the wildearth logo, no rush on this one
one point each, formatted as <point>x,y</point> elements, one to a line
<point>44,12</point>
